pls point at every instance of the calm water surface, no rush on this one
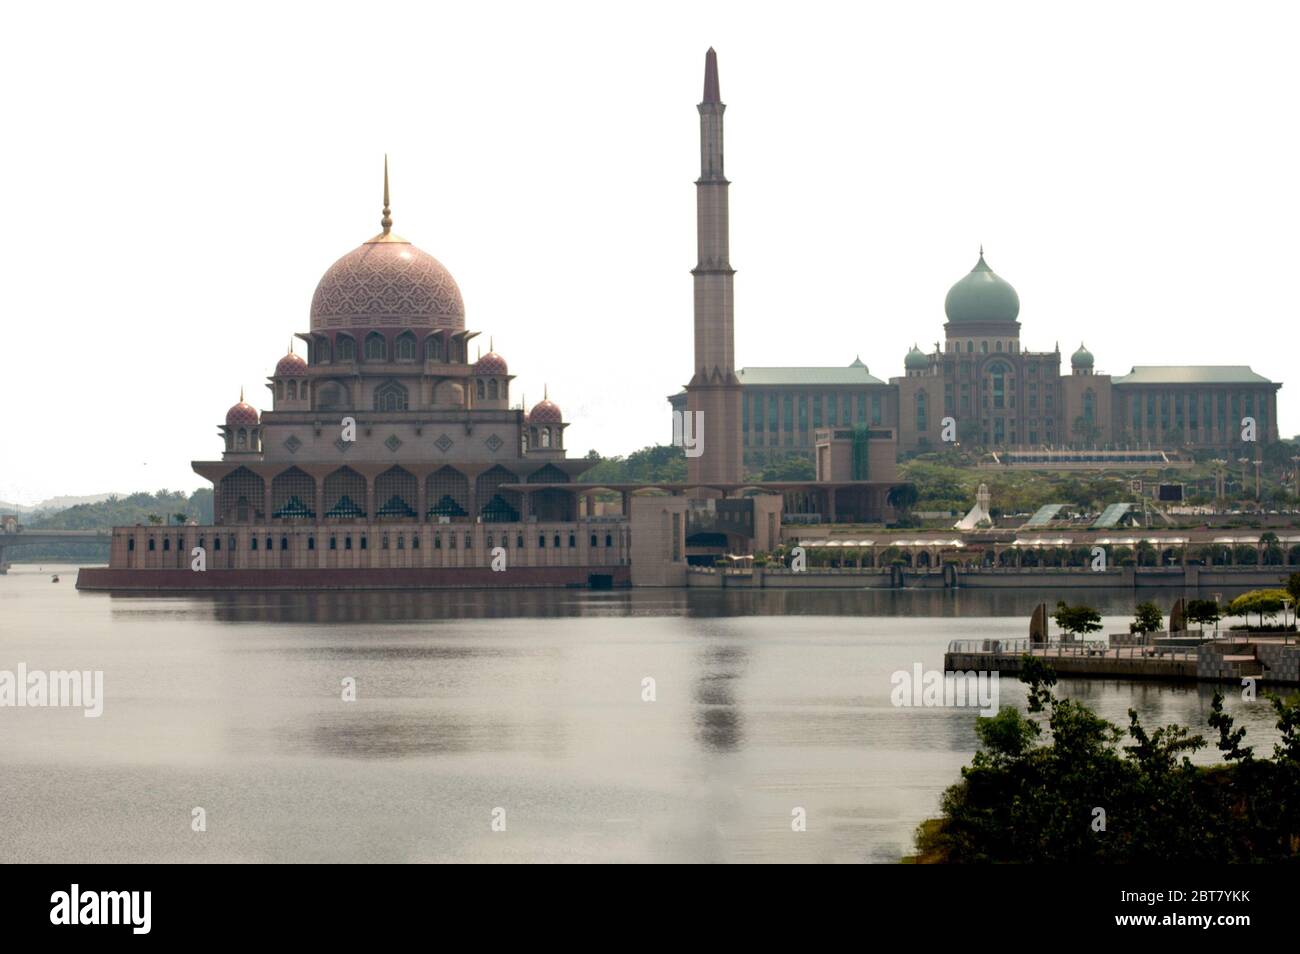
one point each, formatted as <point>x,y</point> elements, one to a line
<point>529,701</point>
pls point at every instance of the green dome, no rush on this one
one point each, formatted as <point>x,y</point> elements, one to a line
<point>916,360</point>
<point>982,296</point>
<point>1081,358</point>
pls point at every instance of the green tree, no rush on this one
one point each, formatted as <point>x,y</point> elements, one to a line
<point>1077,620</point>
<point>1202,612</point>
<point>1030,792</point>
<point>1263,602</point>
<point>1148,619</point>
<point>902,497</point>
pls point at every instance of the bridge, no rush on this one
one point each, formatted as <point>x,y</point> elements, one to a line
<point>23,538</point>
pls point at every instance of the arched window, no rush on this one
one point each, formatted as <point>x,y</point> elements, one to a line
<point>346,348</point>
<point>546,437</point>
<point>241,439</point>
<point>984,347</point>
<point>433,348</point>
<point>279,390</point>
<point>376,347</point>
<point>492,389</point>
<point>998,374</point>
<point>321,350</point>
<point>999,348</point>
<point>1088,403</point>
<point>293,390</point>
<point>480,389</point>
<point>970,347</point>
<point>390,396</point>
<point>922,422</point>
<point>404,349</point>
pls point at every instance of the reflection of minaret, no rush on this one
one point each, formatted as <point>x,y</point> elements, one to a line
<point>714,388</point>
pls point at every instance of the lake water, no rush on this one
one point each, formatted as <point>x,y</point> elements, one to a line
<point>525,701</point>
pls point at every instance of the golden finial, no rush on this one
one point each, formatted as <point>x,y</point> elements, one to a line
<point>491,346</point>
<point>291,345</point>
<point>241,394</point>
<point>387,220</point>
<point>479,352</point>
<point>546,392</point>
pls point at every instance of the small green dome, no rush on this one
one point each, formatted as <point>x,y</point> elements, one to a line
<point>982,296</point>
<point>916,360</point>
<point>1081,358</point>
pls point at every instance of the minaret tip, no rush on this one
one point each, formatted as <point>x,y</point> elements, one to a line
<point>711,90</point>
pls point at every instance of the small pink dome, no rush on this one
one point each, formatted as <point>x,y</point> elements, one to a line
<point>291,366</point>
<point>545,411</point>
<point>242,415</point>
<point>491,363</point>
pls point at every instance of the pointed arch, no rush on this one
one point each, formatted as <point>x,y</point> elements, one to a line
<point>447,491</point>
<point>345,494</point>
<point>240,496</point>
<point>293,495</point>
<point>395,494</point>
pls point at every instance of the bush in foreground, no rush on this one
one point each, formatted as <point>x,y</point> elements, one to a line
<point>1085,796</point>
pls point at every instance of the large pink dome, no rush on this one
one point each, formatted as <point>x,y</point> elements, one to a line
<point>387,283</point>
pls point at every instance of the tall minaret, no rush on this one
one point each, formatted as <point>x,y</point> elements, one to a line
<point>714,388</point>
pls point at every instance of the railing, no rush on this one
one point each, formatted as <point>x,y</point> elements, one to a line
<point>1082,648</point>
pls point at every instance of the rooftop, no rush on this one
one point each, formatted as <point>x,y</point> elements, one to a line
<point>806,376</point>
<point>1191,374</point>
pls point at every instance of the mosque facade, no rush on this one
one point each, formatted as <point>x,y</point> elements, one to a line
<point>390,446</point>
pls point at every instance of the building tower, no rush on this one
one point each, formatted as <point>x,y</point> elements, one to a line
<point>714,389</point>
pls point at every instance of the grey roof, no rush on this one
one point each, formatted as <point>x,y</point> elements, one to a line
<point>1112,515</point>
<point>1044,515</point>
<point>806,376</point>
<point>1191,374</point>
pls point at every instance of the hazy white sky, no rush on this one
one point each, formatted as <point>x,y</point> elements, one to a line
<point>174,180</point>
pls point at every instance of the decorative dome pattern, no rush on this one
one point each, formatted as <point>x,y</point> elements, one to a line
<point>1081,358</point>
<point>387,283</point>
<point>491,363</point>
<point>242,415</point>
<point>291,366</point>
<point>982,296</point>
<point>545,411</point>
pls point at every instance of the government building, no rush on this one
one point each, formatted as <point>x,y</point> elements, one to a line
<point>1003,397</point>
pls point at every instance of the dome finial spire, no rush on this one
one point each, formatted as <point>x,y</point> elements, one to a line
<point>387,220</point>
<point>241,394</point>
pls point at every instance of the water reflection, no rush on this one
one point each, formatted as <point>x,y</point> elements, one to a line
<point>369,606</point>
<point>718,723</point>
